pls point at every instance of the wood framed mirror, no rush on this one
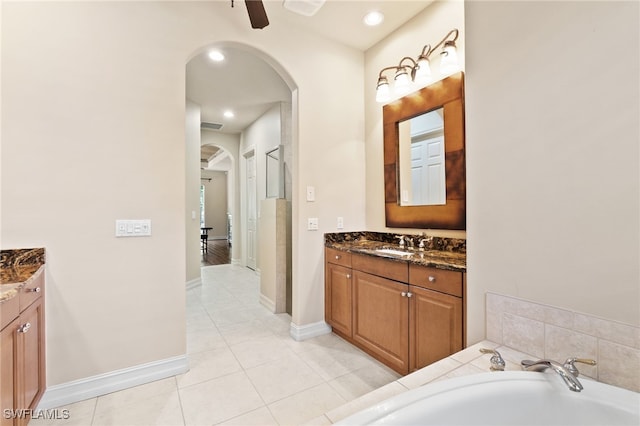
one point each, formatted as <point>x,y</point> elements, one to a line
<point>446,97</point>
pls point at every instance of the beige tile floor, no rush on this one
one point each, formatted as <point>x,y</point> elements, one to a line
<point>245,369</point>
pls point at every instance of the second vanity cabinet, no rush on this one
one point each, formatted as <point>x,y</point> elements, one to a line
<point>22,351</point>
<point>405,315</point>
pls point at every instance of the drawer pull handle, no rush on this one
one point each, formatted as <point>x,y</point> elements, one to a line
<point>431,278</point>
<point>24,328</point>
<point>34,290</point>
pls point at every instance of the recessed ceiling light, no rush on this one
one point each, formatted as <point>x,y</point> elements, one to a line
<point>216,55</point>
<point>229,114</point>
<point>373,18</point>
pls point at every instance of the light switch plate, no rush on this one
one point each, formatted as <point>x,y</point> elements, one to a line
<point>311,193</point>
<point>133,228</point>
<point>340,222</point>
<point>312,224</point>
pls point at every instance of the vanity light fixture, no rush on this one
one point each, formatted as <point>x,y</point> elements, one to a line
<point>418,71</point>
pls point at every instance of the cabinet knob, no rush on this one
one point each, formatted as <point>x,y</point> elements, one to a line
<point>348,275</point>
<point>403,294</point>
<point>431,278</point>
<point>337,257</point>
<point>34,290</point>
<point>409,294</point>
<point>24,328</point>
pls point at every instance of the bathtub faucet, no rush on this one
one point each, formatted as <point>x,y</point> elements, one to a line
<point>541,365</point>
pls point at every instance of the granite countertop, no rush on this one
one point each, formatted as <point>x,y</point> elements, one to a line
<point>442,253</point>
<point>17,269</point>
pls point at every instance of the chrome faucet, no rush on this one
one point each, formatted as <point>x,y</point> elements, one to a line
<point>569,364</point>
<point>409,243</point>
<point>497,363</point>
<point>572,381</point>
<point>401,242</point>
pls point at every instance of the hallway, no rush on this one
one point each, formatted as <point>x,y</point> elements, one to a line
<point>218,253</point>
<point>245,368</point>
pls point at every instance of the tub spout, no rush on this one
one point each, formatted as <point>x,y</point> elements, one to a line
<point>572,382</point>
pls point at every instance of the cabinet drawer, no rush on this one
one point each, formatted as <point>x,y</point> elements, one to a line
<point>31,291</point>
<point>442,280</point>
<point>9,310</point>
<point>398,271</point>
<point>337,257</point>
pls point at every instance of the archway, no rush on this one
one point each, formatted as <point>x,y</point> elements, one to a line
<point>213,87</point>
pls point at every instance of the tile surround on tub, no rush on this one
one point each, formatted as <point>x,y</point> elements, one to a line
<point>555,333</point>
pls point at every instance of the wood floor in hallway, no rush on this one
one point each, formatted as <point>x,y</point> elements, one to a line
<point>218,253</point>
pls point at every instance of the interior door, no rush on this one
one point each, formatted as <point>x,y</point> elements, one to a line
<point>428,172</point>
<point>251,210</point>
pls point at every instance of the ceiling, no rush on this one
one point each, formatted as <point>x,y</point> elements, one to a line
<point>249,86</point>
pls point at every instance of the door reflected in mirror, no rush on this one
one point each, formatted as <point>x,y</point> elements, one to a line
<point>422,160</point>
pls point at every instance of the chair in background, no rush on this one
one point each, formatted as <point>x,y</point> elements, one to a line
<point>204,238</point>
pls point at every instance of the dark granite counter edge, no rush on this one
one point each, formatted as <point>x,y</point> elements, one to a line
<point>455,245</point>
<point>432,258</point>
<point>10,290</point>
<point>19,267</point>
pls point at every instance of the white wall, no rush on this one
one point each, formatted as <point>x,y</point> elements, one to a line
<point>261,136</point>
<point>93,130</point>
<point>428,27</point>
<point>552,114</point>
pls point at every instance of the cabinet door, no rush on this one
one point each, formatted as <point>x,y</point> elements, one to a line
<point>7,372</point>
<point>30,360</point>
<point>381,319</point>
<point>435,326</point>
<point>338,298</point>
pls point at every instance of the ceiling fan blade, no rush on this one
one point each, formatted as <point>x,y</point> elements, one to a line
<point>257,14</point>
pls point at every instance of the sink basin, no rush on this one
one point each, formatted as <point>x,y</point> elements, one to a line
<point>394,252</point>
<point>505,398</point>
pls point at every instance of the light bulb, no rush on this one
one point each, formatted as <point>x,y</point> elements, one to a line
<point>423,71</point>
<point>401,82</point>
<point>383,93</point>
<point>449,59</point>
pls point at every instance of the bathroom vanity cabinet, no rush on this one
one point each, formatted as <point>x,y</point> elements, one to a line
<point>405,315</point>
<point>22,352</point>
<point>338,294</point>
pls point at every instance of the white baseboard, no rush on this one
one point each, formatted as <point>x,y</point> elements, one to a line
<point>304,332</point>
<point>102,384</point>
<point>236,262</point>
<point>194,283</point>
<point>267,303</point>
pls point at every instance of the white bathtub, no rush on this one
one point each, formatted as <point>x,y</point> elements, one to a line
<point>505,398</point>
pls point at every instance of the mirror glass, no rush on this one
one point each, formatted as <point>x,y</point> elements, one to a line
<point>422,168</point>
<point>274,170</point>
